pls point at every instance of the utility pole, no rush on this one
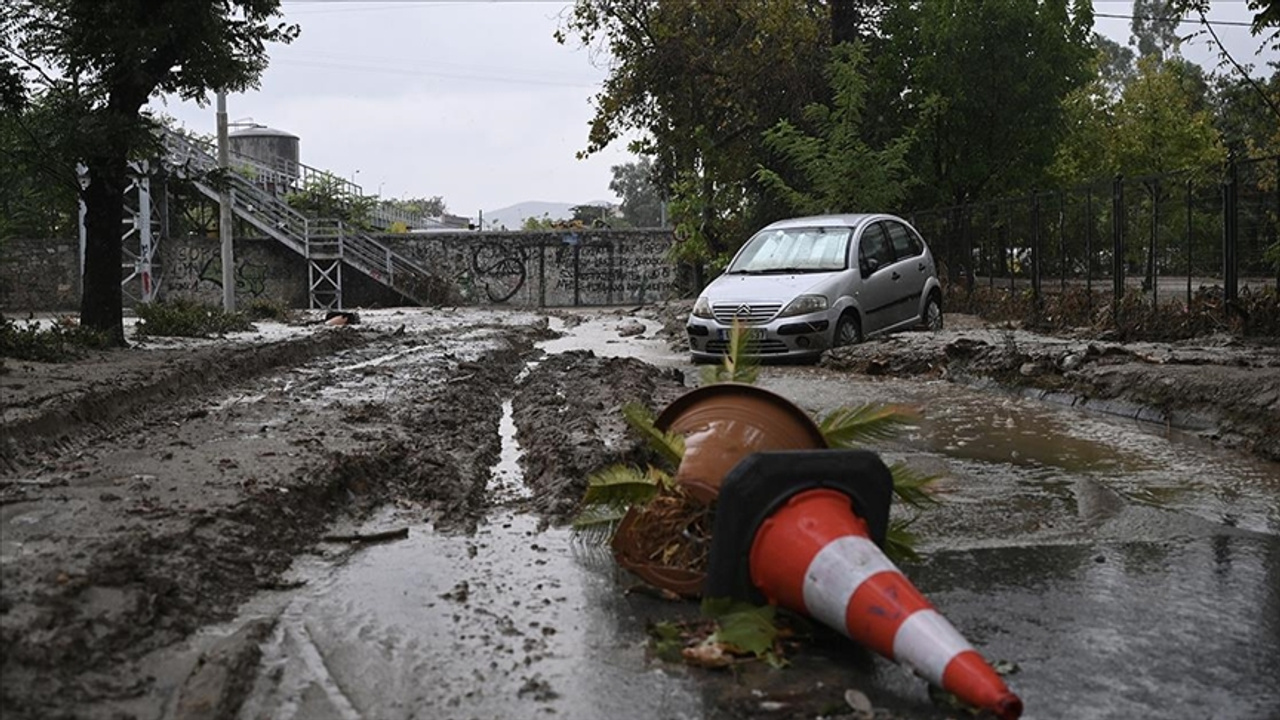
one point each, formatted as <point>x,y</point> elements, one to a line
<point>224,210</point>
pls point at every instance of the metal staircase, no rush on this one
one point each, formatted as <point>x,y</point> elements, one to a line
<point>327,244</point>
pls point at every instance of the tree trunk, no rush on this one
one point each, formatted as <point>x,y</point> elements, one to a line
<point>101,303</point>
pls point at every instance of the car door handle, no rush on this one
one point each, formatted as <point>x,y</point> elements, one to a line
<point>895,275</point>
<point>920,267</point>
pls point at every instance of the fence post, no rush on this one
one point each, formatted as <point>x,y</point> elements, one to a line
<point>1190,244</point>
<point>1230,234</point>
<point>1153,269</point>
<point>967,228</point>
<point>1088,247</point>
<point>1035,251</point>
<point>1117,244</point>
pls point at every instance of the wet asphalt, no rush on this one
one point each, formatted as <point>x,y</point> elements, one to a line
<point>1120,570</point>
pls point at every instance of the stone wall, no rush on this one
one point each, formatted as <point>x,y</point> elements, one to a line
<point>39,275</point>
<point>524,269</point>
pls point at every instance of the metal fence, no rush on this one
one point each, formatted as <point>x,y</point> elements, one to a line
<point>1167,235</point>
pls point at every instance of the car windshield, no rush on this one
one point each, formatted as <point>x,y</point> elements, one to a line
<point>793,250</point>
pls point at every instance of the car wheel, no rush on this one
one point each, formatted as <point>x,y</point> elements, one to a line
<point>933,313</point>
<point>848,330</point>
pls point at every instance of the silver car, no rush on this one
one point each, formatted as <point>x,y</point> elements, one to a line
<point>804,285</point>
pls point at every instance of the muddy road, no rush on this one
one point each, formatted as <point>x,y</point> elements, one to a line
<point>184,528</point>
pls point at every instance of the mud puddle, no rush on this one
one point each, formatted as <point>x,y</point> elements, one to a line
<point>511,621</point>
<point>998,448</point>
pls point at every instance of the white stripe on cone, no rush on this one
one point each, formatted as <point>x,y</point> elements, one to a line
<point>925,641</point>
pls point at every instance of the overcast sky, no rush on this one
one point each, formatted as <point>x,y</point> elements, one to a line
<point>473,101</point>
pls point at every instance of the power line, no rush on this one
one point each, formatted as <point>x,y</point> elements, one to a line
<point>1112,16</point>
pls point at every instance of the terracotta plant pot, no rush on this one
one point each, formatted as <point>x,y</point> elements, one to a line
<point>725,422</point>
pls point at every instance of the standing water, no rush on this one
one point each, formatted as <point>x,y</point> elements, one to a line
<point>510,622</point>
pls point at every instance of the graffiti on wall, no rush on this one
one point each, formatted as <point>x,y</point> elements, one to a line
<point>499,268</point>
<point>197,265</point>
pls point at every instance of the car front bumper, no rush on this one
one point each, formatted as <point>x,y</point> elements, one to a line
<point>803,336</point>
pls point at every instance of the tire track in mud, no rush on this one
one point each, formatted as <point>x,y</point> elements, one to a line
<point>568,415</point>
<point>78,614</point>
<point>45,423</point>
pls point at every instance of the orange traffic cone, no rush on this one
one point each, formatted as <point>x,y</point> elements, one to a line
<point>810,551</point>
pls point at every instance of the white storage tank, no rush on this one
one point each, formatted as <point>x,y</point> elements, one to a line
<point>274,149</point>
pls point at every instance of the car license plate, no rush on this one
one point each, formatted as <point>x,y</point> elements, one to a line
<point>748,333</point>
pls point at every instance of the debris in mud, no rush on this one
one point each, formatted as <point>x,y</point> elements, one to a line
<point>728,633</point>
<point>459,594</point>
<point>630,328</point>
<point>400,534</point>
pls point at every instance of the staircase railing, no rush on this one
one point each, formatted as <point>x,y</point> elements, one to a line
<point>315,239</point>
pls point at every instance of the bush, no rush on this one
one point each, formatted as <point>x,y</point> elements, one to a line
<point>260,309</point>
<point>186,318</point>
<point>61,342</point>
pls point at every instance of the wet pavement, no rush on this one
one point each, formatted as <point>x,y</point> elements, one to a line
<point>1126,572</point>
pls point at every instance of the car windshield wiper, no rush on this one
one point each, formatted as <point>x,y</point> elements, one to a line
<point>785,270</point>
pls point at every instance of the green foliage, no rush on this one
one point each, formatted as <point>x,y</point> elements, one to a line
<point>433,207</point>
<point>329,197</point>
<point>737,365</point>
<point>743,627</point>
<point>838,170</point>
<point>670,446</point>
<point>853,426</point>
<point>184,318</point>
<point>641,197</point>
<point>99,62</point>
<point>264,309</point>
<point>37,190</point>
<point>610,493</point>
<point>979,85</point>
<point>700,81</point>
<point>59,342</point>
<point>900,542</point>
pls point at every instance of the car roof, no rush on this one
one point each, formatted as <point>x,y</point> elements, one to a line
<point>852,220</point>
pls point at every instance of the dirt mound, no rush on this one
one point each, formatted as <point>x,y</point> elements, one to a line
<point>1223,389</point>
<point>568,412</point>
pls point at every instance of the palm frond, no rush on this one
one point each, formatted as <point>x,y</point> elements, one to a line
<point>622,486</point>
<point>900,543</point>
<point>737,365</point>
<point>853,426</point>
<point>641,419</point>
<point>911,487</point>
<point>595,524</point>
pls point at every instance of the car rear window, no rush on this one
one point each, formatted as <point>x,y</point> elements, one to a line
<point>905,243</point>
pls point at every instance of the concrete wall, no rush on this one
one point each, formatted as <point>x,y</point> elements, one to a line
<point>39,274</point>
<point>524,269</point>
<point>548,268</point>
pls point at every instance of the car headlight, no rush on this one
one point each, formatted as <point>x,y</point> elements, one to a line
<point>702,308</point>
<point>804,305</point>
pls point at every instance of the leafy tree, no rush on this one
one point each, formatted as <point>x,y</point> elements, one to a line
<point>1157,125</point>
<point>841,172</point>
<point>1115,65</point>
<point>326,196</point>
<point>37,192</point>
<point>700,80</point>
<point>1154,28</point>
<point>641,199</point>
<point>986,90</point>
<point>1244,118</point>
<point>425,207</point>
<point>100,61</point>
<point>591,215</point>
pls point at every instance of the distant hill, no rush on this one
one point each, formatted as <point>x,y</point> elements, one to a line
<point>513,217</point>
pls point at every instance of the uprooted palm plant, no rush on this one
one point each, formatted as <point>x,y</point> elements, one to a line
<point>674,529</point>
